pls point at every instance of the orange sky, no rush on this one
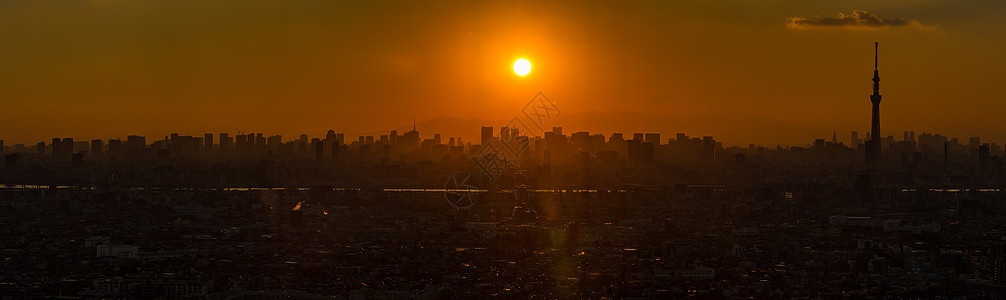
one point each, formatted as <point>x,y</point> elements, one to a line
<point>743,71</point>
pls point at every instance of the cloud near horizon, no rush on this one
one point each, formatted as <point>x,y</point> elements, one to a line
<point>858,19</point>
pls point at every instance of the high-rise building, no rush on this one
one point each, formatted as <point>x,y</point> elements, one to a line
<point>335,152</point>
<point>240,143</point>
<point>195,145</point>
<point>207,143</point>
<point>708,152</point>
<point>319,150</point>
<point>302,145</point>
<point>225,143</point>
<point>260,142</point>
<point>114,147</point>
<point>819,143</point>
<point>57,146</point>
<point>652,138</point>
<point>62,148</point>
<point>135,143</point>
<point>67,147</point>
<point>96,147</point>
<point>273,142</point>
<point>873,146</point>
<point>487,134</point>
<point>409,141</point>
<point>974,142</point>
<point>504,133</point>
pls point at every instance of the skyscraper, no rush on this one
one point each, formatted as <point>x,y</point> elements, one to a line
<point>115,147</point>
<point>240,143</point>
<point>873,146</point>
<point>225,143</point>
<point>207,143</point>
<point>652,138</point>
<point>56,146</point>
<point>487,134</point>
<point>96,147</point>
<point>409,141</point>
<point>319,150</point>
<point>136,143</point>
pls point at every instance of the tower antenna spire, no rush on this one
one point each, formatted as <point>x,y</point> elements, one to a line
<point>873,149</point>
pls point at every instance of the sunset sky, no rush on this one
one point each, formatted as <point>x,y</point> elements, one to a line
<point>764,72</point>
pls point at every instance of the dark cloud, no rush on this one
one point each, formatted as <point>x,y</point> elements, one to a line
<point>858,19</point>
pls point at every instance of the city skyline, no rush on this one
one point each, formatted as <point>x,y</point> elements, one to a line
<point>873,143</point>
<point>502,149</point>
<point>848,139</point>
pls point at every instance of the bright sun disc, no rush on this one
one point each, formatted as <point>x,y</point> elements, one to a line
<point>522,67</point>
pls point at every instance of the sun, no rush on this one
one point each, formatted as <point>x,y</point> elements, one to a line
<point>522,67</point>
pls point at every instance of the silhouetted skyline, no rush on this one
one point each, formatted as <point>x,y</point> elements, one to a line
<point>502,149</point>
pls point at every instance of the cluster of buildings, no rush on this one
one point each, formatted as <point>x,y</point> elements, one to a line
<point>409,159</point>
<point>767,240</point>
<point>578,216</point>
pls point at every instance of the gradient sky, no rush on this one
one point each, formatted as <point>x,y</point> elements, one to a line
<point>766,72</point>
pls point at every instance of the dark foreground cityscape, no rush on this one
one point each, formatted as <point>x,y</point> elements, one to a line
<point>579,216</point>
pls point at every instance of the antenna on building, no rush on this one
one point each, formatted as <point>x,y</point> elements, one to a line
<point>876,46</point>
<point>413,123</point>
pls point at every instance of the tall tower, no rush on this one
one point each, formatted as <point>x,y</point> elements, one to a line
<point>873,147</point>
